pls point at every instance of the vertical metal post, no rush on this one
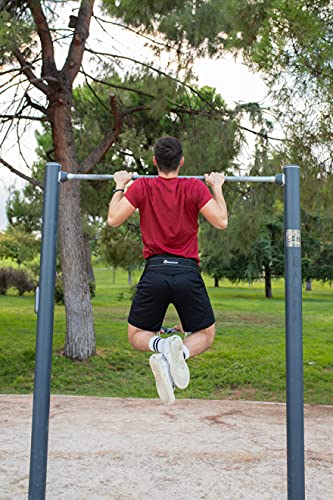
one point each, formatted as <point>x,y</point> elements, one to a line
<point>42,381</point>
<point>294,341</point>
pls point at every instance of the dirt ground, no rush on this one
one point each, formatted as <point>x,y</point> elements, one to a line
<point>119,449</point>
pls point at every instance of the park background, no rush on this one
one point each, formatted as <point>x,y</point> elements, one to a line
<point>286,118</point>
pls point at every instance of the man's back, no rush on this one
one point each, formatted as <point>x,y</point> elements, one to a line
<point>169,209</point>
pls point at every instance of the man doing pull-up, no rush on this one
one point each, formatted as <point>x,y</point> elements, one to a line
<point>169,207</point>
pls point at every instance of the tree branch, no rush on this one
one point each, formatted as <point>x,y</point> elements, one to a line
<point>34,105</point>
<point>18,116</point>
<point>140,166</point>
<point>94,93</point>
<point>110,137</point>
<point>261,134</point>
<point>19,143</point>
<point>128,28</point>
<point>12,70</point>
<point>156,70</point>
<point>77,47</point>
<point>32,181</point>
<point>114,85</point>
<point>44,36</point>
<point>27,71</point>
<point>178,109</point>
<point>134,109</point>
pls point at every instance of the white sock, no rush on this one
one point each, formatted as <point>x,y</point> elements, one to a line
<point>186,352</point>
<point>156,344</point>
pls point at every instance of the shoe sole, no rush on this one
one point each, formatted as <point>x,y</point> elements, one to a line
<point>179,370</point>
<point>163,386</point>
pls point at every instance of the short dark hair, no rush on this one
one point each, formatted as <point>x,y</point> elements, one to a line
<point>168,153</point>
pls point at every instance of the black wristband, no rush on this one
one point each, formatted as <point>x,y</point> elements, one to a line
<point>115,190</point>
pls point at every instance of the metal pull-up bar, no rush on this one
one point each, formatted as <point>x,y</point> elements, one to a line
<point>274,179</point>
<point>290,179</point>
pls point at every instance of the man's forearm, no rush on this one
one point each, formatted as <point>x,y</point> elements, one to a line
<point>219,198</point>
<point>115,200</point>
<point>120,209</point>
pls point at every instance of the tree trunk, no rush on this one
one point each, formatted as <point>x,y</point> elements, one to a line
<point>114,275</point>
<point>308,285</point>
<point>216,282</point>
<point>87,251</point>
<point>268,282</point>
<point>80,336</point>
<point>129,276</point>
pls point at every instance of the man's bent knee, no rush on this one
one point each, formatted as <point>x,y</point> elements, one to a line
<point>131,333</point>
<point>210,334</point>
<point>138,338</point>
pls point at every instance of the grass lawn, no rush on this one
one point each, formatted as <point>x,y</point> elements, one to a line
<point>246,361</point>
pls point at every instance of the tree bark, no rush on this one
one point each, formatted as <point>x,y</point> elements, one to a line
<point>87,251</point>
<point>129,276</point>
<point>308,285</point>
<point>268,282</point>
<point>80,336</point>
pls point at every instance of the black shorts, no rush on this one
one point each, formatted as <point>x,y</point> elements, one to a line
<point>171,280</point>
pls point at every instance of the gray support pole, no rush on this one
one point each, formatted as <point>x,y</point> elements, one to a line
<point>42,381</point>
<point>294,342</point>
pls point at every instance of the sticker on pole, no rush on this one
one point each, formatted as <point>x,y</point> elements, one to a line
<point>293,238</point>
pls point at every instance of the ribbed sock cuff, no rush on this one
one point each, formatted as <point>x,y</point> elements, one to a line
<point>186,352</point>
<point>155,343</point>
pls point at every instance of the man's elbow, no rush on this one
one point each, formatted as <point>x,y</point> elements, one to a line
<point>113,222</point>
<point>222,223</point>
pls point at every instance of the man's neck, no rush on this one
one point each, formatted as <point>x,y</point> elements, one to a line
<point>168,175</point>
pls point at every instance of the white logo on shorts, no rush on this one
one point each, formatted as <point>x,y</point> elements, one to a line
<point>169,262</point>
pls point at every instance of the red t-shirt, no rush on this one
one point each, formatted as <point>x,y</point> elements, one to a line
<point>169,210</point>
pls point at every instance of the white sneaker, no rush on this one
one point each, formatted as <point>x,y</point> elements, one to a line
<point>179,370</point>
<point>164,384</point>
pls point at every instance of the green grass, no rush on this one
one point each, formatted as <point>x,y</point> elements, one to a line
<point>246,361</point>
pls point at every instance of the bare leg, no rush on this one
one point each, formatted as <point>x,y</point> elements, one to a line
<point>200,341</point>
<point>196,343</point>
<point>139,339</point>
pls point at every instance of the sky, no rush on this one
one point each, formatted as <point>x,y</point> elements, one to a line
<point>232,79</point>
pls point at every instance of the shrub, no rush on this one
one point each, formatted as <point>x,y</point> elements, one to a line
<point>5,275</point>
<point>22,281</point>
<point>15,278</point>
<point>59,293</point>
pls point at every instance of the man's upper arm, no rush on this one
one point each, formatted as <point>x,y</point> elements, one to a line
<point>123,212</point>
<point>212,212</point>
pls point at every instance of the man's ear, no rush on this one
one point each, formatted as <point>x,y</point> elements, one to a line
<point>154,161</point>
<point>181,163</point>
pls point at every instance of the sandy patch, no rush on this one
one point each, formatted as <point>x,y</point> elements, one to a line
<point>126,449</point>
